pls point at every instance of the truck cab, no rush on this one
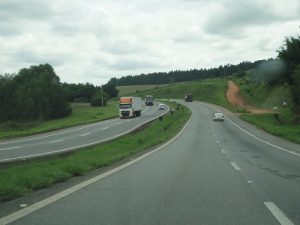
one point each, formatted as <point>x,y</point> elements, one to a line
<point>130,107</point>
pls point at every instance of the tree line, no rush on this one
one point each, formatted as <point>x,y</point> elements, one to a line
<point>186,75</point>
<point>36,93</point>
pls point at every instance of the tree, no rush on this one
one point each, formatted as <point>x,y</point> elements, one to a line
<point>96,99</point>
<point>290,54</point>
<point>34,93</point>
<point>110,88</point>
<point>295,88</point>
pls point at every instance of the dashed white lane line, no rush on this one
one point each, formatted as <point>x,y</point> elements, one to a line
<point>85,134</point>
<point>223,151</point>
<point>60,140</point>
<point>41,204</point>
<point>278,214</point>
<point>58,133</point>
<point>236,167</point>
<point>105,128</point>
<point>5,149</point>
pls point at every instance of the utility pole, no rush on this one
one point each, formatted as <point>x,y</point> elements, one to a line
<point>102,95</point>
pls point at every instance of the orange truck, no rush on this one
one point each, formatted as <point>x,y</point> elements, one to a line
<point>130,107</point>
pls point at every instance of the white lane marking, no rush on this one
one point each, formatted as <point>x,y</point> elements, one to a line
<point>218,142</point>
<point>236,167</point>
<point>60,140</point>
<point>38,205</point>
<point>105,128</point>
<point>145,109</point>
<point>250,181</point>
<point>85,134</point>
<point>5,149</point>
<point>255,137</point>
<point>63,132</point>
<point>223,151</point>
<point>278,214</point>
<point>77,147</point>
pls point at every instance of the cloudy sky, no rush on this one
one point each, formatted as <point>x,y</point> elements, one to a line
<point>94,40</point>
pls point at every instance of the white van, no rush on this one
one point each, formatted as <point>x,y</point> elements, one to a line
<point>218,116</point>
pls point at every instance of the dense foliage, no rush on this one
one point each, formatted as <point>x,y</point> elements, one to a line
<point>85,92</point>
<point>34,93</point>
<point>97,100</point>
<point>188,75</point>
<point>290,54</point>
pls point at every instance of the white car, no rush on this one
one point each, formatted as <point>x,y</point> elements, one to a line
<point>161,106</point>
<point>218,116</point>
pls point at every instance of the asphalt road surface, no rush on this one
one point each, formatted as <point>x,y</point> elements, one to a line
<point>73,138</point>
<point>212,173</point>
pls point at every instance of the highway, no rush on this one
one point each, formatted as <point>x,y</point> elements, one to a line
<point>73,138</point>
<point>211,173</point>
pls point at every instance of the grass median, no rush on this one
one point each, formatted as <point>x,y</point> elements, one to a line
<point>20,178</point>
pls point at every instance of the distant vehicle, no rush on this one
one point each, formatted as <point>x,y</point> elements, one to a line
<point>161,106</point>
<point>130,107</point>
<point>218,116</point>
<point>148,100</point>
<point>188,98</point>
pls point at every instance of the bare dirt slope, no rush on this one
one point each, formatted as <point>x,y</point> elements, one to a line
<point>234,97</point>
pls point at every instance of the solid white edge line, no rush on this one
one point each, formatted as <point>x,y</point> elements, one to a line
<point>235,166</point>
<point>79,146</point>
<point>38,205</point>
<point>255,137</point>
<point>278,214</point>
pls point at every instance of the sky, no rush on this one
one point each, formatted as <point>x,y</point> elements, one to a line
<point>95,40</point>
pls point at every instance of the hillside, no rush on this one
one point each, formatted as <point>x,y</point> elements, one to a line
<point>210,90</point>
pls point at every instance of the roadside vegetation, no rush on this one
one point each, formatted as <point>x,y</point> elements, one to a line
<point>82,113</point>
<point>284,124</point>
<point>20,178</point>
<point>132,89</point>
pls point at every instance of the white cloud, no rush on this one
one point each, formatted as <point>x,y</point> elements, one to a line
<point>91,41</point>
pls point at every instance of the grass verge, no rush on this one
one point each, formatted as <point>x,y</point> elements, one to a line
<point>283,125</point>
<point>82,114</point>
<point>20,178</point>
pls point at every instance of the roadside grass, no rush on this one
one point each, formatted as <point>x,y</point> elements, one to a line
<point>82,113</point>
<point>131,89</point>
<point>285,124</point>
<point>20,178</point>
<point>263,95</point>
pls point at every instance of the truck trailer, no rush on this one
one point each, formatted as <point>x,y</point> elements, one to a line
<point>130,107</point>
<point>149,100</point>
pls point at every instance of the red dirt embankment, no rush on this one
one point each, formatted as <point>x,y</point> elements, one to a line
<point>234,97</point>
